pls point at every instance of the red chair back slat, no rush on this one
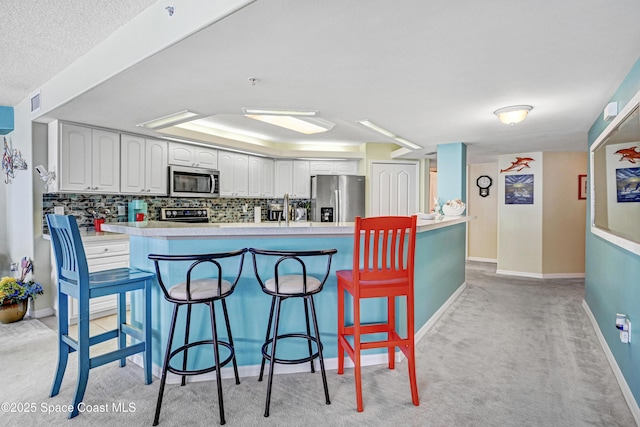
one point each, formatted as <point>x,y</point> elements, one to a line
<point>381,248</point>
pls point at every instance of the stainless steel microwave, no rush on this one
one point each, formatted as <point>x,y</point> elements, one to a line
<point>193,182</point>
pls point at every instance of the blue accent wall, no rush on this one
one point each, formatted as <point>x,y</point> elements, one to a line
<point>6,120</point>
<point>452,172</point>
<point>612,283</point>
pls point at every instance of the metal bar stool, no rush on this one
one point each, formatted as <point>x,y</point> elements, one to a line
<point>386,247</point>
<point>199,291</point>
<point>74,280</point>
<point>291,282</point>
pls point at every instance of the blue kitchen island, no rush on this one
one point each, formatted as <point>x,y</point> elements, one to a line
<point>439,277</point>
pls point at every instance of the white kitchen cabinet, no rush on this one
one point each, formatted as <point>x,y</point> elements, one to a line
<point>143,165</point>
<point>192,155</point>
<point>89,160</point>
<point>292,177</point>
<point>234,174</point>
<point>260,177</point>
<point>333,167</point>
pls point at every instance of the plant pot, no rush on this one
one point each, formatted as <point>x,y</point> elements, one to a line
<point>13,312</point>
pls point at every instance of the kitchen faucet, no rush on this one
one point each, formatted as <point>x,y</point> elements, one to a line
<point>286,209</point>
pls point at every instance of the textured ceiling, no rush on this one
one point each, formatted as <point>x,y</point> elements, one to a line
<point>431,72</point>
<point>41,38</point>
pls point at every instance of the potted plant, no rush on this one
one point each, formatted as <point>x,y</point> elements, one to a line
<point>14,297</point>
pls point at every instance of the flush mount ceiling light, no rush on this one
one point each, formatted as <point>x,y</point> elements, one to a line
<point>171,119</point>
<point>514,114</point>
<point>389,134</point>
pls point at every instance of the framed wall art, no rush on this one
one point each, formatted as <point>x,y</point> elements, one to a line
<point>518,189</point>
<point>582,187</point>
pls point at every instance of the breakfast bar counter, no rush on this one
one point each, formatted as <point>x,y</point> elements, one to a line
<point>439,276</point>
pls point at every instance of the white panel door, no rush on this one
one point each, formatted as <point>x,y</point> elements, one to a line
<point>394,189</point>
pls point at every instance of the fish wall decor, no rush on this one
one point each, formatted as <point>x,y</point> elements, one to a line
<point>519,164</point>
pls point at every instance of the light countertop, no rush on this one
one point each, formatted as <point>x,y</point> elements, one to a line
<point>176,230</point>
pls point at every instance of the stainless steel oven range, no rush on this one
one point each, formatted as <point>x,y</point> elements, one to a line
<point>185,214</point>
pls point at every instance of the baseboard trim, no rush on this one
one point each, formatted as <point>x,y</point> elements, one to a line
<point>254,370</point>
<point>541,275</point>
<point>491,260</point>
<point>36,314</point>
<point>622,382</point>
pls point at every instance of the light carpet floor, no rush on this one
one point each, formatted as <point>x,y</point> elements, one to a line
<point>509,352</point>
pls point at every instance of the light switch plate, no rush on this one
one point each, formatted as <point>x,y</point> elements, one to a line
<point>58,210</point>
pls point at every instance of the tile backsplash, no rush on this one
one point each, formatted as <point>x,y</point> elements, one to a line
<point>82,207</point>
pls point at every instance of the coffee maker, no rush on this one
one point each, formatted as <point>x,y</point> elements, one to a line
<point>138,211</point>
<point>275,212</point>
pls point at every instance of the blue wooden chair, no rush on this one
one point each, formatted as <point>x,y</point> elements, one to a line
<point>74,280</point>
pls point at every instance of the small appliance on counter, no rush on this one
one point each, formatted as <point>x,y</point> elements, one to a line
<point>301,214</point>
<point>275,212</point>
<point>192,215</point>
<point>138,211</point>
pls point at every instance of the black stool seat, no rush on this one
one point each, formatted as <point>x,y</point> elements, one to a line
<point>205,290</point>
<point>291,280</point>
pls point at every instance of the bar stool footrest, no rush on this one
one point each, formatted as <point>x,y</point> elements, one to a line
<point>199,371</point>
<point>315,355</point>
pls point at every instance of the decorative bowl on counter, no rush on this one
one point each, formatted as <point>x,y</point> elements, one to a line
<point>453,207</point>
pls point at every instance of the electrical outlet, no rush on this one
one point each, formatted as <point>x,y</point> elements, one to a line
<point>624,337</point>
<point>245,208</point>
<point>58,210</point>
<point>121,211</point>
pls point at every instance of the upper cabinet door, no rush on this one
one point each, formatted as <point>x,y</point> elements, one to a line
<point>156,171</point>
<point>225,162</point>
<point>206,158</point>
<point>132,164</point>
<point>347,167</point>
<point>283,175</point>
<point>181,154</point>
<point>75,158</point>
<point>266,171</point>
<point>106,161</point>
<point>333,167</point>
<point>301,180</point>
<point>240,175</point>
<point>260,177</point>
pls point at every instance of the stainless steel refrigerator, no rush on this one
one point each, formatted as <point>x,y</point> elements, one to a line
<point>337,198</point>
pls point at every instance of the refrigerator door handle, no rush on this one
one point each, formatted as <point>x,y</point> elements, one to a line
<point>337,213</point>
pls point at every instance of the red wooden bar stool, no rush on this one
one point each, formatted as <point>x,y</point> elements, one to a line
<point>386,246</point>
